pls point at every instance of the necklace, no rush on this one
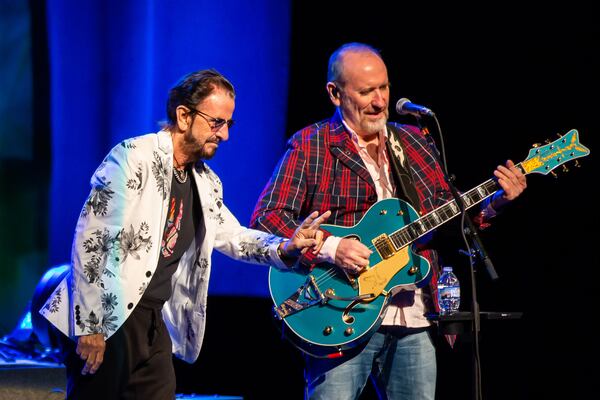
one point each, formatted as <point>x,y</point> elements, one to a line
<point>180,175</point>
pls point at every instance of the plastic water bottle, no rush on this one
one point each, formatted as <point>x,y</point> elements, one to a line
<point>448,292</point>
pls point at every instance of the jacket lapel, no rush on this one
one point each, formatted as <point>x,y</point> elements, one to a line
<point>345,151</point>
<point>207,201</point>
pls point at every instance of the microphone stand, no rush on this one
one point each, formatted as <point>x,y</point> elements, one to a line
<point>469,230</point>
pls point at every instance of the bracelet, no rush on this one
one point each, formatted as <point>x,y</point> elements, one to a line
<point>288,260</point>
<point>279,252</point>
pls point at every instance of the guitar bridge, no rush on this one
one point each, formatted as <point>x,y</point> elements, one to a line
<point>384,246</point>
<point>306,296</point>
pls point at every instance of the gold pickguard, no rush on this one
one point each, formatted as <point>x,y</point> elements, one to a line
<point>377,277</point>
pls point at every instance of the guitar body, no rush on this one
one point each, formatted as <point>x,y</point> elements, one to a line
<point>338,324</point>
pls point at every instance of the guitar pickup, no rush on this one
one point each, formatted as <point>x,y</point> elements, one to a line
<point>384,246</point>
<point>306,296</point>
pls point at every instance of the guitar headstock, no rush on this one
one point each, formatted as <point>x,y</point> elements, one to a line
<point>543,159</point>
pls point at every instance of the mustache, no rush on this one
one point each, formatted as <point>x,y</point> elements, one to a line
<point>213,139</point>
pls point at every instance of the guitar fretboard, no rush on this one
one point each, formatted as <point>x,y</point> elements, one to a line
<point>441,215</point>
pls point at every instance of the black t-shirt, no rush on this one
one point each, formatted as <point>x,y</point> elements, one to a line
<point>183,219</point>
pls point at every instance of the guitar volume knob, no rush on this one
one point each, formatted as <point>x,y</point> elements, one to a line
<point>349,331</point>
<point>327,331</point>
<point>413,270</point>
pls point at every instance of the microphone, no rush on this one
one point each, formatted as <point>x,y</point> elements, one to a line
<point>404,106</point>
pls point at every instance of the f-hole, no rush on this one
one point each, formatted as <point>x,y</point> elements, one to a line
<point>346,317</point>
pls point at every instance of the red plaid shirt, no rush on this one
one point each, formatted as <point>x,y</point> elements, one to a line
<point>322,170</point>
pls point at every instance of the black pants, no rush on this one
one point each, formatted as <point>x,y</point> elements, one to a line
<point>137,362</point>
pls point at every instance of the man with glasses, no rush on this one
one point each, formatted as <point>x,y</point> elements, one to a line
<point>138,282</point>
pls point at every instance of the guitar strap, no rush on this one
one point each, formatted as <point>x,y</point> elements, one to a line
<point>405,186</point>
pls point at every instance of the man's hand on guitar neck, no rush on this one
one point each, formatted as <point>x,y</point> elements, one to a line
<point>352,256</point>
<point>511,180</point>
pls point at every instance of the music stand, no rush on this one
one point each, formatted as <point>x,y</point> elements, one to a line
<point>455,324</point>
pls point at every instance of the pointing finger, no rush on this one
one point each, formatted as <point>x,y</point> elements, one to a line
<point>322,218</point>
<point>309,219</point>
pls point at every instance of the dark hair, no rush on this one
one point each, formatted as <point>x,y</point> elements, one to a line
<point>192,89</point>
<point>334,68</point>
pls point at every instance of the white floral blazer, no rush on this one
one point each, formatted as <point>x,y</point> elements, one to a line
<point>117,246</point>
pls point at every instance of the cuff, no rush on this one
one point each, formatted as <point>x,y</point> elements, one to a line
<point>275,255</point>
<point>487,211</point>
<point>327,253</point>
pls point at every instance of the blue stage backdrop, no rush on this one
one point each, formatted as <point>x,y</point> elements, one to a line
<point>112,64</point>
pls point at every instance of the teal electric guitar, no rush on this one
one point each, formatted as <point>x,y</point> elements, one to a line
<point>326,311</point>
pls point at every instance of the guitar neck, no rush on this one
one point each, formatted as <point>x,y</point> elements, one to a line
<point>445,213</point>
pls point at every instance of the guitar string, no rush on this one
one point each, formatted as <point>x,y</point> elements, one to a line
<point>331,272</point>
<point>402,233</point>
<point>405,240</point>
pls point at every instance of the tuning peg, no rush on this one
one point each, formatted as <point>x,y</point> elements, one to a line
<point>577,164</point>
<point>565,168</point>
<point>548,141</point>
<point>537,145</point>
<point>553,174</point>
<point>559,135</point>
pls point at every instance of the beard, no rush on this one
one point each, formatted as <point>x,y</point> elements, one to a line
<point>373,127</point>
<point>197,150</point>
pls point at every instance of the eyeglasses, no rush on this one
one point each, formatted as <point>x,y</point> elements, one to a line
<point>214,123</point>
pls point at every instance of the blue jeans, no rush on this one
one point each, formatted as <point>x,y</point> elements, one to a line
<point>402,366</point>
